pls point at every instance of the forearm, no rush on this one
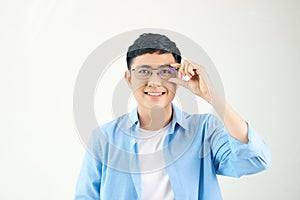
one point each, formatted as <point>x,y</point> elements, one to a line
<point>234,123</point>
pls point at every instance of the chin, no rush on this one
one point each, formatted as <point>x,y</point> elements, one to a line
<point>151,105</point>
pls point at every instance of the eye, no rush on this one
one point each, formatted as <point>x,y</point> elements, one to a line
<point>144,71</point>
<point>165,71</point>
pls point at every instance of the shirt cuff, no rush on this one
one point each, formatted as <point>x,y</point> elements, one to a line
<point>255,147</point>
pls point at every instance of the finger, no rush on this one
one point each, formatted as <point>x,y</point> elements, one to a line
<point>205,83</point>
<point>178,81</point>
<point>198,69</point>
<point>181,70</point>
<point>180,74</point>
<point>185,69</point>
<point>195,68</point>
<point>189,69</point>
<point>203,74</point>
<point>176,65</point>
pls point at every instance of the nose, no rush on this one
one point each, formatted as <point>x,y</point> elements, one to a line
<point>154,80</point>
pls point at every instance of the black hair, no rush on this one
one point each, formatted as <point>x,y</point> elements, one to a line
<point>152,43</point>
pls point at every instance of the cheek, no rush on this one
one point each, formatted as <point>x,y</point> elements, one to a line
<point>171,87</point>
<point>137,85</point>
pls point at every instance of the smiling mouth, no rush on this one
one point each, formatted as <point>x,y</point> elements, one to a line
<point>155,94</point>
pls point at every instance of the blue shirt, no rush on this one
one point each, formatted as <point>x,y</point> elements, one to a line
<point>196,149</point>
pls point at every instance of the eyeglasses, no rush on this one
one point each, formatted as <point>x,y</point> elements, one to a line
<point>145,71</point>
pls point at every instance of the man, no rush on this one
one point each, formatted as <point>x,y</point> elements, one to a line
<point>159,152</point>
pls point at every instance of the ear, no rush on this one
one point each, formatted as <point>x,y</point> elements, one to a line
<point>127,76</point>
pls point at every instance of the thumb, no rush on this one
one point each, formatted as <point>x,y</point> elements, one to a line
<point>178,81</point>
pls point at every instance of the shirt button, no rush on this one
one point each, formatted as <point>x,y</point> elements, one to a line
<point>133,140</point>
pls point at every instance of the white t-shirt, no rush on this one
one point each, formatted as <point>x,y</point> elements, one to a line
<point>155,179</point>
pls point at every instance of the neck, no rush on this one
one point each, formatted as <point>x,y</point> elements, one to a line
<point>154,118</point>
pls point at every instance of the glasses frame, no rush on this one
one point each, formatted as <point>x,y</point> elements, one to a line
<point>152,69</point>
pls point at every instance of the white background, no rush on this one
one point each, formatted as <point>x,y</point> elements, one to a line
<point>254,44</point>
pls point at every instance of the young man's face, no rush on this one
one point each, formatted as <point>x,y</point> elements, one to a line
<point>155,90</point>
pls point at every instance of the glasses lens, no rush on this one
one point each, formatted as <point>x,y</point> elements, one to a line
<point>143,72</point>
<point>167,72</point>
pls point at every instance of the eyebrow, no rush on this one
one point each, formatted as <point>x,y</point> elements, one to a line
<point>149,66</point>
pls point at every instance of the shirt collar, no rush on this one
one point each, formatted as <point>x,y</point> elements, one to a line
<point>179,117</point>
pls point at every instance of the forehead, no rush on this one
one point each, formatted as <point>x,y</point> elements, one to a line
<point>153,59</point>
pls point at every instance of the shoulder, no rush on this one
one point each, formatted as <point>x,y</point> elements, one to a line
<point>106,132</point>
<point>114,124</point>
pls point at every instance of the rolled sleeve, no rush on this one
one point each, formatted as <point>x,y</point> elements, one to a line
<point>255,147</point>
<point>236,158</point>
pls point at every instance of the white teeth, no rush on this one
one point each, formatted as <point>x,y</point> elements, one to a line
<point>154,94</point>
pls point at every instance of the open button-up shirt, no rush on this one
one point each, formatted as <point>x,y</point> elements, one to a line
<point>196,149</point>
